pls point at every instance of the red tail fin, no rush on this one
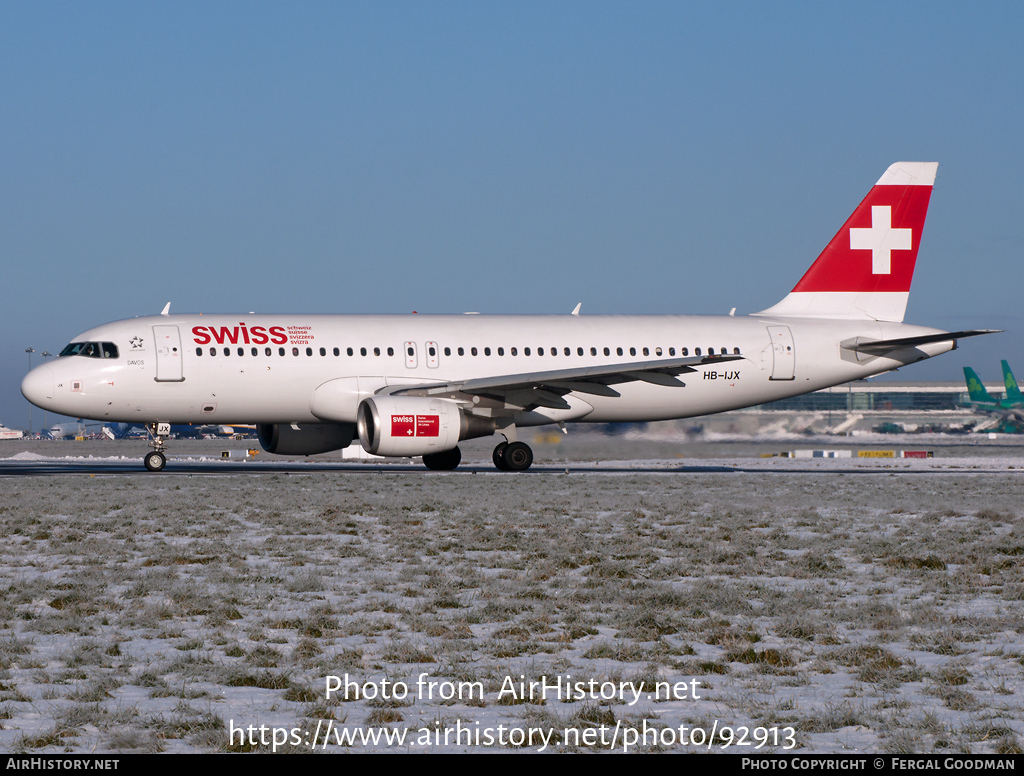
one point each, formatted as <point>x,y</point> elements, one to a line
<point>866,269</point>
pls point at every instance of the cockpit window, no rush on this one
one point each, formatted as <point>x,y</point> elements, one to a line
<point>91,350</point>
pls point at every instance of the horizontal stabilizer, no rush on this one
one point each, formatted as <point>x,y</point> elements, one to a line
<point>881,347</point>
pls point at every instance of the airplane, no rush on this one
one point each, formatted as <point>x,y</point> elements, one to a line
<point>1010,408</point>
<point>10,433</point>
<point>1012,390</point>
<point>67,430</point>
<point>417,385</point>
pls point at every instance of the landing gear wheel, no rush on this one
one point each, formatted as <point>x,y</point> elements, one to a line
<point>499,456</point>
<point>443,462</point>
<point>518,457</point>
<point>155,461</point>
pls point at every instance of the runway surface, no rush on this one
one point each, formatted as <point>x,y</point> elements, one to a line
<point>575,454</point>
<point>176,467</point>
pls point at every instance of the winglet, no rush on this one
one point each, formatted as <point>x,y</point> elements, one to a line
<point>166,310</point>
<point>576,309</point>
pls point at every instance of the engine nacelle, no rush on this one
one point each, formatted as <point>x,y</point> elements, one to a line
<point>415,425</point>
<point>305,438</point>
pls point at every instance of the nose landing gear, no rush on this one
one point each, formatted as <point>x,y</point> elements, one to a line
<point>156,459</point>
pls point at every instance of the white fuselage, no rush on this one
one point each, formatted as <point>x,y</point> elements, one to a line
<point>267,368</point>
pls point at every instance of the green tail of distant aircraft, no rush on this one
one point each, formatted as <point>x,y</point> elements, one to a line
<point>1010,407</point>
<point>1012,391</point>
<point>980,397</point>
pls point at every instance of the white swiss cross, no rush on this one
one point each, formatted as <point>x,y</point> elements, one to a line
<point>881,239</point>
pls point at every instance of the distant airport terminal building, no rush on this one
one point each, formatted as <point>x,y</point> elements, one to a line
<point>886,397</point>
<point>864,405</point>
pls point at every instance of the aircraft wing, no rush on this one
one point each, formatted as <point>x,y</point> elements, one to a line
<point>881,347</point>
<point>545,389</point>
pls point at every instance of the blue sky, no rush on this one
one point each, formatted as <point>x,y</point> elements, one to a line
<point>522,157</point>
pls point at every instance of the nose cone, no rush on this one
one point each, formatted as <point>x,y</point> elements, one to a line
<point>37,386</point>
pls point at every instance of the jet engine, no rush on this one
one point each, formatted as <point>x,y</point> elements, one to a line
<point>305,438</point>
<point>415,425</point>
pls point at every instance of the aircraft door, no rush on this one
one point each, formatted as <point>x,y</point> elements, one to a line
<point>168,354</point>
<point>431,348</point>
<point>410,354</point>
<point>783,353</point>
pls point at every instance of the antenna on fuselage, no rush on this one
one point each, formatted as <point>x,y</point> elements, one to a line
<point>576,309</point>
<point>166,310</point>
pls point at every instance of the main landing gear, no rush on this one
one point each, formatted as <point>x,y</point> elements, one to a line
<point>513,456</point>
<point>443,462</point>
<point>156,459</point>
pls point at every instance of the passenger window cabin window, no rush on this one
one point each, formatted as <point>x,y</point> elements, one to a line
<point>684,351</point>
<point>255,351</point>
<point>199,351</point>
<point>514,351</point>
<point>337,351</point>
<point>526,351</point>
<point>736,351</point>
<point>607,352</point>
<point>309,351</point>
<point>348,351</point>
<point>696,351</point>
<point>632,351</point>
<point>227,351</point>
<point>501,351</point>
<point>213,351</point>
<point>241,351</point>
<point>671,351</point>
<point>447,351</point>
<point>409,351</point>
<point>461,352</point>
<point>268,351</point>
<point>657,351</point>
<point>579,351</point>
<point>593,351</point>
<point>540,351</point>
<point>376,351</point>
<point>472,351</point>
<point>647,352</point>
<point>362,351</point>
<point>391,351</point>
<point>618,351</point>
<point>487,351</point>
<point>280,351</point>
<point>430,351</point>
<point>323,351</point>
<point>295,351</point>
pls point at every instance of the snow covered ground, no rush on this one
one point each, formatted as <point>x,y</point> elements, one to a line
<point>832,605</point>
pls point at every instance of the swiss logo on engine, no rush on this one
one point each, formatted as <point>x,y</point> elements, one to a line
<point>415,425</point>
<point>403,425</point>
